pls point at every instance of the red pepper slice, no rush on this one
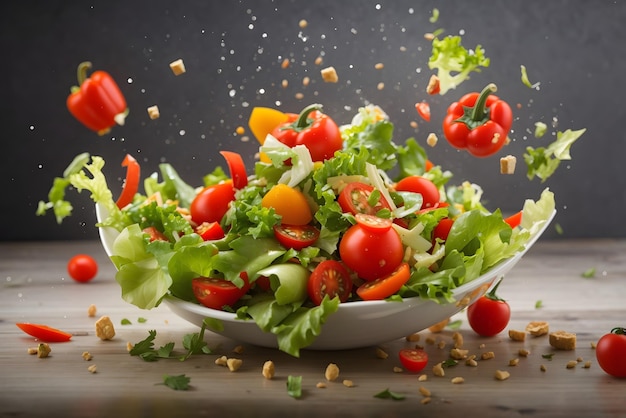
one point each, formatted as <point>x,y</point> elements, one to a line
<point>313,129</point>
<point>423,109</point>
<point>44,332</point>
<point>131,185</point>
<point>478,122</point>
<point>97,102</point>
<point>210,231</point>
<point>237,169</point>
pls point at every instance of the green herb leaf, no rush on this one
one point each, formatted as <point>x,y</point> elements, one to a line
<point>548,356</point>
<point>125,321</point>
<point>142,320</point>
<point>294,386</point>
<point>387,394</point>
<point>538,304</point>
<point>180,382</point>
<point>589,273</point>
<point>449,363</point>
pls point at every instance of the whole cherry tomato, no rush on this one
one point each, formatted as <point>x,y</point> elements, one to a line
<point>490,314</point>
<point>611,352</point>
<point>82,268</point>
<point>421,185</point>
<point>212,203</point>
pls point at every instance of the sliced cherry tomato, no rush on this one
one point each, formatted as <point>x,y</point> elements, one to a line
<point>356,198</point>
<point>490,314</point>
<point>44,332</point>
<point>413,359</point>
<point>611,352</point>
<point>514,220</point>
<point>296,236</point>
<point>212,202</point>
<point>82,268</point>
<point>154,234</point>
<point>423,109</point>
<point>442,229</point>
<point>384,287</point>
<point>428,165</point>
<point>210,231</point>
<point>215,293</point>
<point>289,203</point>
<point>435,206</point>
<point>421,185</point>
<point>131,184</point>
<point>373,223</point>
<point>330,278</point>
<point>371,255</point>
<point>237,169</point>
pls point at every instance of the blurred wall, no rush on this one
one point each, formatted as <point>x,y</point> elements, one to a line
<point>233,53</point>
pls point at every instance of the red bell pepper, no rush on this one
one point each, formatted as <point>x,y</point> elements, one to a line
<point>131,185</point>
<point>478,122</point>
<point>97,102</point>
<point>313,129</point>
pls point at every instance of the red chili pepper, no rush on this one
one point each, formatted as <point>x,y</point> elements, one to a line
<point>313,129</point>
<point>478,122</point>
<point>97,102</point>
<point>131,185</point>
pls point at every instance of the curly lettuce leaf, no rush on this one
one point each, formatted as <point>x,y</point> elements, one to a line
<point>454,62</point>
<point>543,162</point>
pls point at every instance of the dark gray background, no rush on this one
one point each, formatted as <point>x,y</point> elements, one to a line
<point>233,50</point>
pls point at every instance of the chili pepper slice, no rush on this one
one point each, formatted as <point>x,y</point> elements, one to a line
<point>237,169</point>
<point>97,102</point>
<point>131,184</point>
<point>313,129</point>
<point>478,122</point>
<point>44,332</point>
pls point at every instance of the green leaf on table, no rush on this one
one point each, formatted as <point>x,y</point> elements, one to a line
<point>387,394</point>
<point>180,382</point>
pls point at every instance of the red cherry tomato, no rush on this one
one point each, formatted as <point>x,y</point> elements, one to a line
<point>490,314</point>
<point>371,255</point>
<point>329,278</point>
<point>210,231</point>
<point>82,268</point>
<point>413,359</point>
<point>611,352</point>
<point>384,287</point>
<point>212,202</point>
<point>216,293</point>
<point>421,185</point>
<point>356,198</point>
<point>296,236</point>
<point>237,169</point>
<point>44,332</point>
<point>373,223</point>
<point>442,229</point>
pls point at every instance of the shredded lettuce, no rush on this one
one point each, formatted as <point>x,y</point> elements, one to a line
<point>453,62</point>
<point>543,161</point>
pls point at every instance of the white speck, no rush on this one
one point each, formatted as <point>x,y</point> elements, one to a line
<point>264,35</point>
<point>31,127</point>
<point>130,80</point>
<point>261,91</point>
<point>462,32</point>
<point>411,10</point>
<point>278,103</point>
<point>353,31</point>
<point>181,132</point>
<point>250,26</point>
<point>40,166</point>
<point>378,7</point>
<point>232,93</point>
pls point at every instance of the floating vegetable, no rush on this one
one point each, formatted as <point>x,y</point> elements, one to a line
<point>97,102</point>
<point>478,122</point>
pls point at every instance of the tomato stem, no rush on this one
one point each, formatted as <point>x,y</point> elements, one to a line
<point>492,293</point>
<point>619,331</point>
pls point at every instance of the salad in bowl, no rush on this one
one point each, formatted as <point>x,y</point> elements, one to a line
<point>337,238</point>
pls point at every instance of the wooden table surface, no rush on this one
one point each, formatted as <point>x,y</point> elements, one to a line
<point>36,288</point>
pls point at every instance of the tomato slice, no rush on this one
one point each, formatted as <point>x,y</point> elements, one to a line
<point>413,359</point>
<point>44,332</point>
<point>442,230</point>
<point>154,234</point>
<point>386,286</point>
<point>373,223</point>
<point>330,278</point>
<point>131,184</point>
<point>514,220</point>
<point>210,231</point>
<point>356,197</point>
<point>237,169</point>
<point>296,236</point>
<point>423,109</point>
<point>216,293</point>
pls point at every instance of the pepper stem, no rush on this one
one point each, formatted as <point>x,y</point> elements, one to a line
<point>302,121</point>
<point>81,73</point>
<point>479,109</point>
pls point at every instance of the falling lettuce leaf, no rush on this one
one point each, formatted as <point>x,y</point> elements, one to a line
<point>525,79</point>
<point>543,161</point>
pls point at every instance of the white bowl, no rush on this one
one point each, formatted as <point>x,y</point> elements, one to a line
<point>355,324</point>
